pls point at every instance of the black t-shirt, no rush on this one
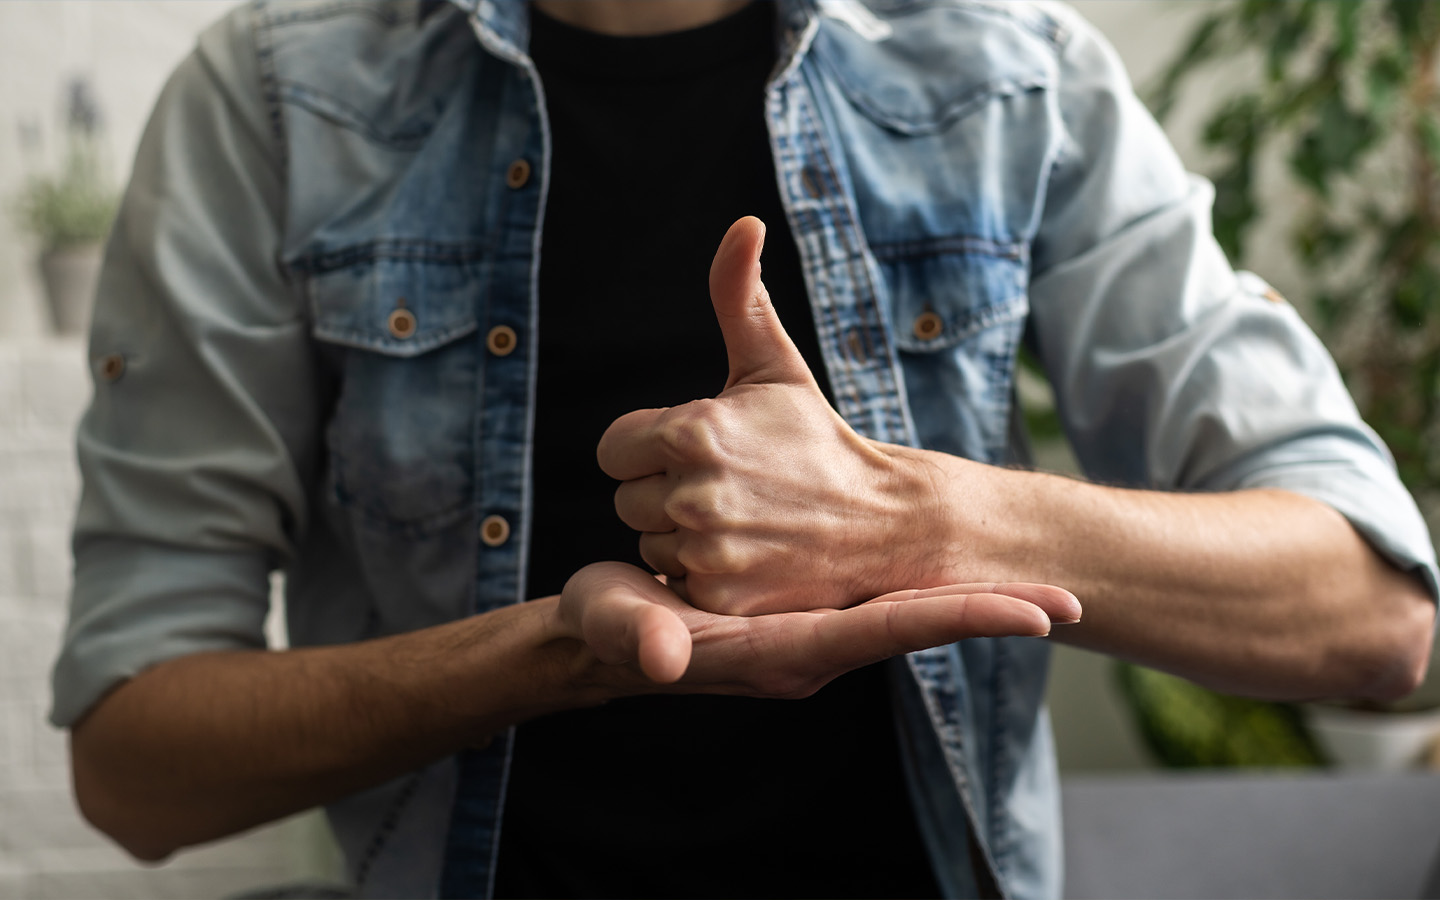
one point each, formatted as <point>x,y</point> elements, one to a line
<point>659,145</point>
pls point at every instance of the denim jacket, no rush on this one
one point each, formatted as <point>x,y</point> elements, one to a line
<point>338,205</point>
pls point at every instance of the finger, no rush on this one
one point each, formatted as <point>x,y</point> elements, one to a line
<point>661,552</point>
<point>878,630</point>
<point>759,350</point>
<point>629,448</point>
<point>1059,604</point>
<point>665,645</point>
<point>641,503</point>
<point>623,617</point>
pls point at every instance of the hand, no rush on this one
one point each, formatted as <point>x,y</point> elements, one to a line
<point>763,499</point>
<point>627,616</point>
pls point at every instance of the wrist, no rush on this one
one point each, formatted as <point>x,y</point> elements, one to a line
<point>960,523</point>
<point>915,538</point>
<point>516,663</point>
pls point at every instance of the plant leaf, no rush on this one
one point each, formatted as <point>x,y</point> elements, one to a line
<point>1201,46</point>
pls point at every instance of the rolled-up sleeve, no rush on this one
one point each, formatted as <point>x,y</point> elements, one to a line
<point>1171,370</point>
<point>196,450</point>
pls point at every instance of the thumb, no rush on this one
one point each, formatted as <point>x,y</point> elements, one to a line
<point>760,351</point>
<point>623,618</point>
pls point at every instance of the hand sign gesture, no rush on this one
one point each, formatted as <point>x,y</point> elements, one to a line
<point>763,499</point>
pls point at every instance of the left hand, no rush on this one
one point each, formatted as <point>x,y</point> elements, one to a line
<point>763,499</point>
<point>631,621</point>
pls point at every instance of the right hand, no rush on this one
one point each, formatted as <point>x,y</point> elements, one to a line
<point>763,499</point>
<point>629,618</point>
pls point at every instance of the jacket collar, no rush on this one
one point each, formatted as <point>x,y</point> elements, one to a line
<point>507,24</point>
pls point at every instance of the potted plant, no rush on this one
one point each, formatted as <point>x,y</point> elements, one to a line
<point>1347,94</point>
<point>70,214</point>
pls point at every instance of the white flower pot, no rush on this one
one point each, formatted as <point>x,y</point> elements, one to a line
<point>1377,741</point>
<point>70,275</point>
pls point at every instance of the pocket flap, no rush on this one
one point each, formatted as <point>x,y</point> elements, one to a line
<point>943,297</point>
<point>398,307</point>
<point>945,63</point>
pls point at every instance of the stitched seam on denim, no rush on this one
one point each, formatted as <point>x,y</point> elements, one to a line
<point>402,249</point>
<point>862,287</point>
<point>1001,381</point>
<point>347,116</point>
<point>269,86</point>
<point>423,342</point>
<point>994,89</point>
<point>971,324</point>
<point>809,226</point>
<point>953,245</point>
<point>387,828</point>
<point>1003,774</point>
<point>378,12</point>
<point>929,669</point>
<point>500,809</point>
<point>1043,26</point>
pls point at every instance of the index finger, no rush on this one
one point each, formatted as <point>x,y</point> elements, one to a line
<point>1060,605</point>
<point>630,448</point>
<point>915,620</point>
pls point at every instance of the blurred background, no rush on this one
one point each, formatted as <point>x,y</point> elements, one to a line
<point>1319,127</point>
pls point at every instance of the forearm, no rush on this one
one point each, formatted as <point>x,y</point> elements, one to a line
<point>204,746</point>
<point>1261,592</point>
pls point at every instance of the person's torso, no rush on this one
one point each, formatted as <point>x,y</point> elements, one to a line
<point>911,148</point>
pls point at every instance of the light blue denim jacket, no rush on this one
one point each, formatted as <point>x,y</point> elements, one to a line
<point>316,173</point>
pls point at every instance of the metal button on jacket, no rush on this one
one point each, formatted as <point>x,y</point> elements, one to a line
<point>517,174</point>
<point>494,531</point>
<point>501,340</point>
<point>402,321</point>
<point>112,367</point>
<point>928,326</point>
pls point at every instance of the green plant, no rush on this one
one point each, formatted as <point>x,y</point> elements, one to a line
<point>74,208</point>
<point>1185,725</point>
<point>1347,92</point>
<point>77,205</point>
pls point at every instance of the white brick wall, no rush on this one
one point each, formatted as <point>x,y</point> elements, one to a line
<point>46,849</point>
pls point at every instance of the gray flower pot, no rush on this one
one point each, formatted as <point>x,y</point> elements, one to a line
<point>70,275</point>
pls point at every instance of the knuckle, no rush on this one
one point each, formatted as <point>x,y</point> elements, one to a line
<point>697,506</point>
<point>691,431</point>
<point>713,556</point>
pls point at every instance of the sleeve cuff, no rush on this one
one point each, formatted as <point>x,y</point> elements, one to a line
<point>136,604</point>
<point>1355,480</point>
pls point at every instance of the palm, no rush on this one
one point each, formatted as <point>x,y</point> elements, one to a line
<point>627,616</point>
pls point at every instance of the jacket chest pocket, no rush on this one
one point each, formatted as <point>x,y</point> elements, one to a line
<point>401,438</point>
<point>958,311</point>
